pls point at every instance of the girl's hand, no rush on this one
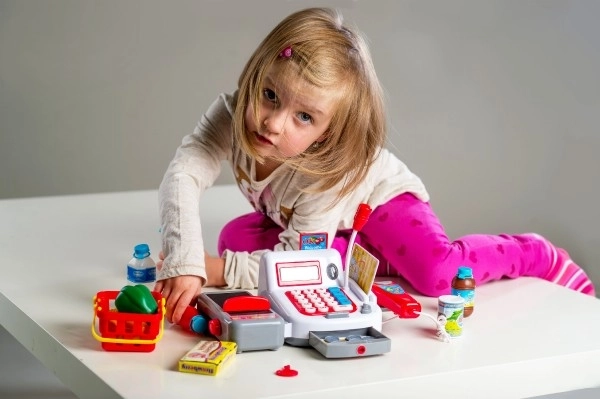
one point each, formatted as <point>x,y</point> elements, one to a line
<point>182,291</point>
<point>179,292</point>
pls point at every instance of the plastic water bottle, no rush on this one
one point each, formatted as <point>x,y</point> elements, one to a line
<point>141,269</point>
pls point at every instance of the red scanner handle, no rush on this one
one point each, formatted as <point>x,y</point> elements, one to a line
<point>361,217</point>
<point>246,303</point>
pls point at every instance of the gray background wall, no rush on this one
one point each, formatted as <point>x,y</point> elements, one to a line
<point>494,104</point>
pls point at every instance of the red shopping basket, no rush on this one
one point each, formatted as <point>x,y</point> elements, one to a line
<point>126,332</point>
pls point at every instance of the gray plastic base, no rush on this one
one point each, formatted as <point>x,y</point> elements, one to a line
<point>250,330</point>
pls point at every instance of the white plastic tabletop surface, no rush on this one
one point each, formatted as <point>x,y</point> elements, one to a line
<point>526,337</point>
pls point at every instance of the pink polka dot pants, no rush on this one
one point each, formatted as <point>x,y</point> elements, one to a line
<point>409,240</point>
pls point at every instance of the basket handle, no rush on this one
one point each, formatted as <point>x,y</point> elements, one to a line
<point>161,330</point>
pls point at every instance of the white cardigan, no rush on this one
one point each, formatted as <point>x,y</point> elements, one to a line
<point>197,164</point>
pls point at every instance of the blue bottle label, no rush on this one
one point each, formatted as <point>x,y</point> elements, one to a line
<point>140,276</point>
<point>467,295</point>
<point>151,274</point>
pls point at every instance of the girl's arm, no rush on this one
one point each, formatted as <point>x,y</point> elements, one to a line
<point>195,167</point>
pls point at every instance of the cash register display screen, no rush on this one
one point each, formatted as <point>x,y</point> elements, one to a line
<point>298,273</point>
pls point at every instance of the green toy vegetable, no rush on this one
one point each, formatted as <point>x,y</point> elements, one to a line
<point>136,299</point>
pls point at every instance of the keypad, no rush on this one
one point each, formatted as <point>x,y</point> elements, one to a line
<point>320,301</point>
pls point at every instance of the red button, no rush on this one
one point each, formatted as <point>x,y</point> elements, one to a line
<point>214,327</point>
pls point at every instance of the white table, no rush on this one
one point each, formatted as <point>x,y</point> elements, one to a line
<point>526,337</point>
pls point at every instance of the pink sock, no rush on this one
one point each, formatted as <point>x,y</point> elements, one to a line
<point>565,272</point>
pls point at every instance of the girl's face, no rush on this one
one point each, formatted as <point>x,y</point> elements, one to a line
<point>292,116</point>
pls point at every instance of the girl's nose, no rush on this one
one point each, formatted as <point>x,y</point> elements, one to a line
<point>275,121</point>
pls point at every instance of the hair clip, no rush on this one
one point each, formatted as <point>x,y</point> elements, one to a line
<point>286,52</point>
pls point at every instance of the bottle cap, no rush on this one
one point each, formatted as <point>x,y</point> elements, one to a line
<point>465,272</point>
<point>141,251</point>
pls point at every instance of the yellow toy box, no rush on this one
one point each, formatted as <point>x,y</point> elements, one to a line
<point>208,357</point>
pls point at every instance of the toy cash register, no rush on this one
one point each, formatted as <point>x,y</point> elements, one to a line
<point>307,289</point>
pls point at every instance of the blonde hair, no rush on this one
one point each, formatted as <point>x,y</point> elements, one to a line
<point>333,57</point>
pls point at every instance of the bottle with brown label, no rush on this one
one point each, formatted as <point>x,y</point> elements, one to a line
<point>463,285</point>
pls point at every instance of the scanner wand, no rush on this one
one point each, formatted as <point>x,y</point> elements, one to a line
<point>360,219</point>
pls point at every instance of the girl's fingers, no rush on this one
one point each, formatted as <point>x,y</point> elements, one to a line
<point>179,293</point>
<point>184,301</point>
<point>172,300</point>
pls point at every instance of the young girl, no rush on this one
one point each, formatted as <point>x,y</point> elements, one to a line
<point>304,135</point>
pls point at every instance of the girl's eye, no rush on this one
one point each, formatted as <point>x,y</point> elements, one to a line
<point>304,117</point>
<point>270,95</point>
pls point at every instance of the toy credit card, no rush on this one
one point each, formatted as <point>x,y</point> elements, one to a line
<point>363,267</point>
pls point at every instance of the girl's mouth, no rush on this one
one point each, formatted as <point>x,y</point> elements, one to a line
<point>262,140</point>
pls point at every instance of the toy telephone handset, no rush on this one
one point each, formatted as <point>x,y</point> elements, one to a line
<point>393,297</point>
